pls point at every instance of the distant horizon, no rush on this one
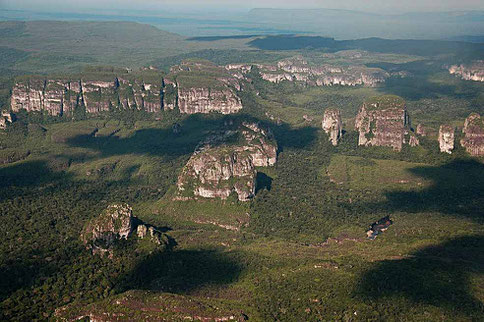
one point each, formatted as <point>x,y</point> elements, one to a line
<point>376,6</point>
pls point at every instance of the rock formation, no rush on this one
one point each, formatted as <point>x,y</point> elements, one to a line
<point>446,138</point>
<point>217,168</point>
<point>193,87</point>
<point>421,130</point>
<point>298,69</point>
<point>204,88</point>
<point>205,100</point>
<point>332,125</point>
<point>115,223</point>
<point>473,140</point>
<point>61,97</point>
<point>5,119</point>
<point>381,121</point>
<point>473,71</point>
<point>413,140</point>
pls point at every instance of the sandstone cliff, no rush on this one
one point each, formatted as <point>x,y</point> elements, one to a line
<point>446,138</point>
<point>382,121</point>
<point>203,87</point>
<point>473,140</point>
<point>332,125</point>
<point>298,69</point>
<point>193,87</point>
<point>218,168</point>
<point>473,71</point>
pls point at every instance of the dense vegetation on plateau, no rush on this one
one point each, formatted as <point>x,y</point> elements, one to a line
<point>297,252</point>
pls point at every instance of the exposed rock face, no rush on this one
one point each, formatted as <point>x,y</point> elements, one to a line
<point>473,71</point>
<point>332,125</point>
<point>421,130</point>
<point>473,140</point>
<point>217,169</point>
<point>193,87</point>
<point>413,141</point>
<point>381,121</point>
<point>206,100</point>
<point>115,223</point>
<point>204,88</point>
<point>59,97</point>
<point>216,172</point>
<point>5,119</point>
<point>298,69</point>
<point>446,138</point>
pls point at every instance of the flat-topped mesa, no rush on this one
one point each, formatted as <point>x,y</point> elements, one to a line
<point>381,121</point>
<point>332,125</point>
<point>473,71</point>
<point>218,169</point>
<point>473,130</point>
<point>446,138</point>
<point>203,87</point>
<point>298,69</point>
<point>96,93</point>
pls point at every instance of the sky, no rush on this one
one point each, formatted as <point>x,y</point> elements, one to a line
<point>220,5</point>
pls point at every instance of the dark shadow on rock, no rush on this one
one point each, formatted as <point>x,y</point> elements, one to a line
<point>437,275</point>
<point>183,271</point>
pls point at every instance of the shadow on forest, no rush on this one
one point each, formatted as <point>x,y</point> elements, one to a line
<point>437,275</point>
<point>418,85</point>
<point>457,189</point>
<point>163,142</point>
<point>183,271</point>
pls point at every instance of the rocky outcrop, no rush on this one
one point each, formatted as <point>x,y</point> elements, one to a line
<point>5,119</point>
<point>205,100</point>
<point>114,223</point>
<point>472,72</point>
<point>217,172</point>
<point>446,138</point>
<point>117,222</point>
<point>382,121</point>
<point>332,125</point>
<point>421,130</point>
<point>218,169</point>
<point>473,140</point>
<point>298,69</point>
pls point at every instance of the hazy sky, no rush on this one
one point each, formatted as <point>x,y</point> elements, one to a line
<point>368,5</point>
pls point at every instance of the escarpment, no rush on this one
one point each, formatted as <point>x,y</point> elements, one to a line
<point>446,138</point>
<point>332,125</point>
<point>472,72</point>
<point>382,121</point>
<point>323,74</point>
<point>192,87</point>
<point>203,87</point>
<point>219,168</point>
<point>61,97</point>
<point>473,130</point>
